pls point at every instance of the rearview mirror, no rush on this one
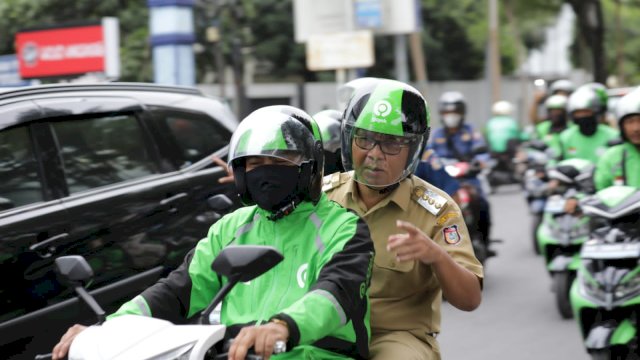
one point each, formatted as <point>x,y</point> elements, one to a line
<point>73,270</point>
<point>220,203</point>
<point>245,262</point>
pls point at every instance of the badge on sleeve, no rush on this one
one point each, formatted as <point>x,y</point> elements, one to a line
<point>451,235</point>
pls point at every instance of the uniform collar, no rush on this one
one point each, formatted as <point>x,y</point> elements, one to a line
<point>400,196</point>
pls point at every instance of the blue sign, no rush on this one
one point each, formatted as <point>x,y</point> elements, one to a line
<point>368,14</point>
<point>10,72</point>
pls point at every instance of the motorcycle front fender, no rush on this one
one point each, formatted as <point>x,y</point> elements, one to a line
<point>603,336</point>
<point>560,263</point>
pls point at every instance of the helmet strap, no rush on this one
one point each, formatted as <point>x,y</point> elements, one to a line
<point>285,210</point>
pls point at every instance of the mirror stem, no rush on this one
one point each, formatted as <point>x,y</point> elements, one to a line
<point>204,318</point>
<point>89,300</point>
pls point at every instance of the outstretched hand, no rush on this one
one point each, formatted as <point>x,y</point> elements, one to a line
<point>413,245</point>
<point>62,347</point>
<point>225,179</point>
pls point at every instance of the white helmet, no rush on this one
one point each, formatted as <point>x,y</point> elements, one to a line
<point>502,108</point>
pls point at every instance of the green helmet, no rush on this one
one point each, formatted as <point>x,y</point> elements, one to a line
<point>584,98</point>
<point>557,101</point>
<point>626,106</point>
<point>283,132</point>
<point>391,108</point>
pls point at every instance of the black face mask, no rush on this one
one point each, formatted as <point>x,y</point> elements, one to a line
<point>587,125</point>
<point>272,186</point>
<point>558,121</point>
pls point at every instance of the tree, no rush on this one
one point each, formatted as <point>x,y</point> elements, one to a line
<point>591,30</point>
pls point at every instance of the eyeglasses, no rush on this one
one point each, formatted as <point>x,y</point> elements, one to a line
<point>389,147</point>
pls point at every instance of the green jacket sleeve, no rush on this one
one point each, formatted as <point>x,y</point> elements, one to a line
<point>603,176</point>
<point>340,294</point>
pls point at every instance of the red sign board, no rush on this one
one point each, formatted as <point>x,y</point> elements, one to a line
<point>61,51</point>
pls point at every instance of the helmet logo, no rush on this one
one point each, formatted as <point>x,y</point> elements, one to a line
<point>381,109</point>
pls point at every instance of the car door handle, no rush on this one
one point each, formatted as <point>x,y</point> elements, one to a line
<point>173,199</point>
<point>47,247</point>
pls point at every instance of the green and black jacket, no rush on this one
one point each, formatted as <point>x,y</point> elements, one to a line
<point>320,288</point>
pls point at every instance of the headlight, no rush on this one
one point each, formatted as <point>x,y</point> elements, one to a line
<point>629,287</point>
<point>591,287</point>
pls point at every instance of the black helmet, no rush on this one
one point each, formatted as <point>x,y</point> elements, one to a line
<point>452,101</point>
<point>329,123</point>
<point>391,108</point>
<point>279,131</point>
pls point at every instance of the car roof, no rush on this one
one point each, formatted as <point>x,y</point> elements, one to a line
<point>146,93</point>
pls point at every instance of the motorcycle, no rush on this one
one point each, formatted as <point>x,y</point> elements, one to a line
<point>468,200</point>
<point>534,160</point>
<point>142,337</point>
<point>606,296</point>
<point>561,234</point>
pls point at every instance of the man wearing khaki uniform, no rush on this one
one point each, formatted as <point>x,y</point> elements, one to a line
<point>422,245</point>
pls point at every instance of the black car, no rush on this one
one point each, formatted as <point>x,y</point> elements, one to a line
<point>117,172</point>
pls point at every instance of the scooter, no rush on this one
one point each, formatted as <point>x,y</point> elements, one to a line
<point>468,200</point>
<point>606,296</point>
<point>535,183</point>
<point>146,338</point>
<point>560,235</point>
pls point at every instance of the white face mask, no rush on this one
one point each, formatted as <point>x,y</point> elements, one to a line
<point>451,120</point>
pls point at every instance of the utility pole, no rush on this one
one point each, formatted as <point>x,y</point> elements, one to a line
<point>494,51</point>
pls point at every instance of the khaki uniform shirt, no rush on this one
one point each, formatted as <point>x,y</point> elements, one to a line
<point>407,295</point>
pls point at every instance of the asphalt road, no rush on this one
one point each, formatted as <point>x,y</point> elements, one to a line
<point>518,318</point>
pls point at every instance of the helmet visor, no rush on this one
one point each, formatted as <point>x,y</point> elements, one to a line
<point>278,137</point>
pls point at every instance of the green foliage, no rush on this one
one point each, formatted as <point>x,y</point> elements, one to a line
<point>630,38</point>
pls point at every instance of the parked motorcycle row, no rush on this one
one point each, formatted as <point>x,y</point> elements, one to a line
<point>591,251</point>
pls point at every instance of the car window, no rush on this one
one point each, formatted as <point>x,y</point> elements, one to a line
<point>102,151</point>
<point>20,183</point>
<point>196,135</point>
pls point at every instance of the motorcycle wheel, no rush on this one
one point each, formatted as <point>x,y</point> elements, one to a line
<point>537,220</point>
<point>561,285</point>
<point>601,355</point>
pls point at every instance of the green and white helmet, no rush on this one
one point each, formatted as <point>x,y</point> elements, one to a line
<point>386,107</point>
<point>601,92</point>
<point>283,132</point>
<point>626,106</point>
<point>557,101</point>
<point>584,98</point>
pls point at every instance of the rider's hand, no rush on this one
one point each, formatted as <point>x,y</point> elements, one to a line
<point>413,245</point>
<point>225,179</point>
<point>571,205</point>
<point>262,338</point>
<point>62,347</point>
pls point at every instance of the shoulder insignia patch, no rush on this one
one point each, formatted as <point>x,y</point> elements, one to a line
<point>446,217</point>
<point>330,182</point>
<point>430,200</point>
<point>440,140</point>
<point>465,137</point>
<point>451,235</point>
